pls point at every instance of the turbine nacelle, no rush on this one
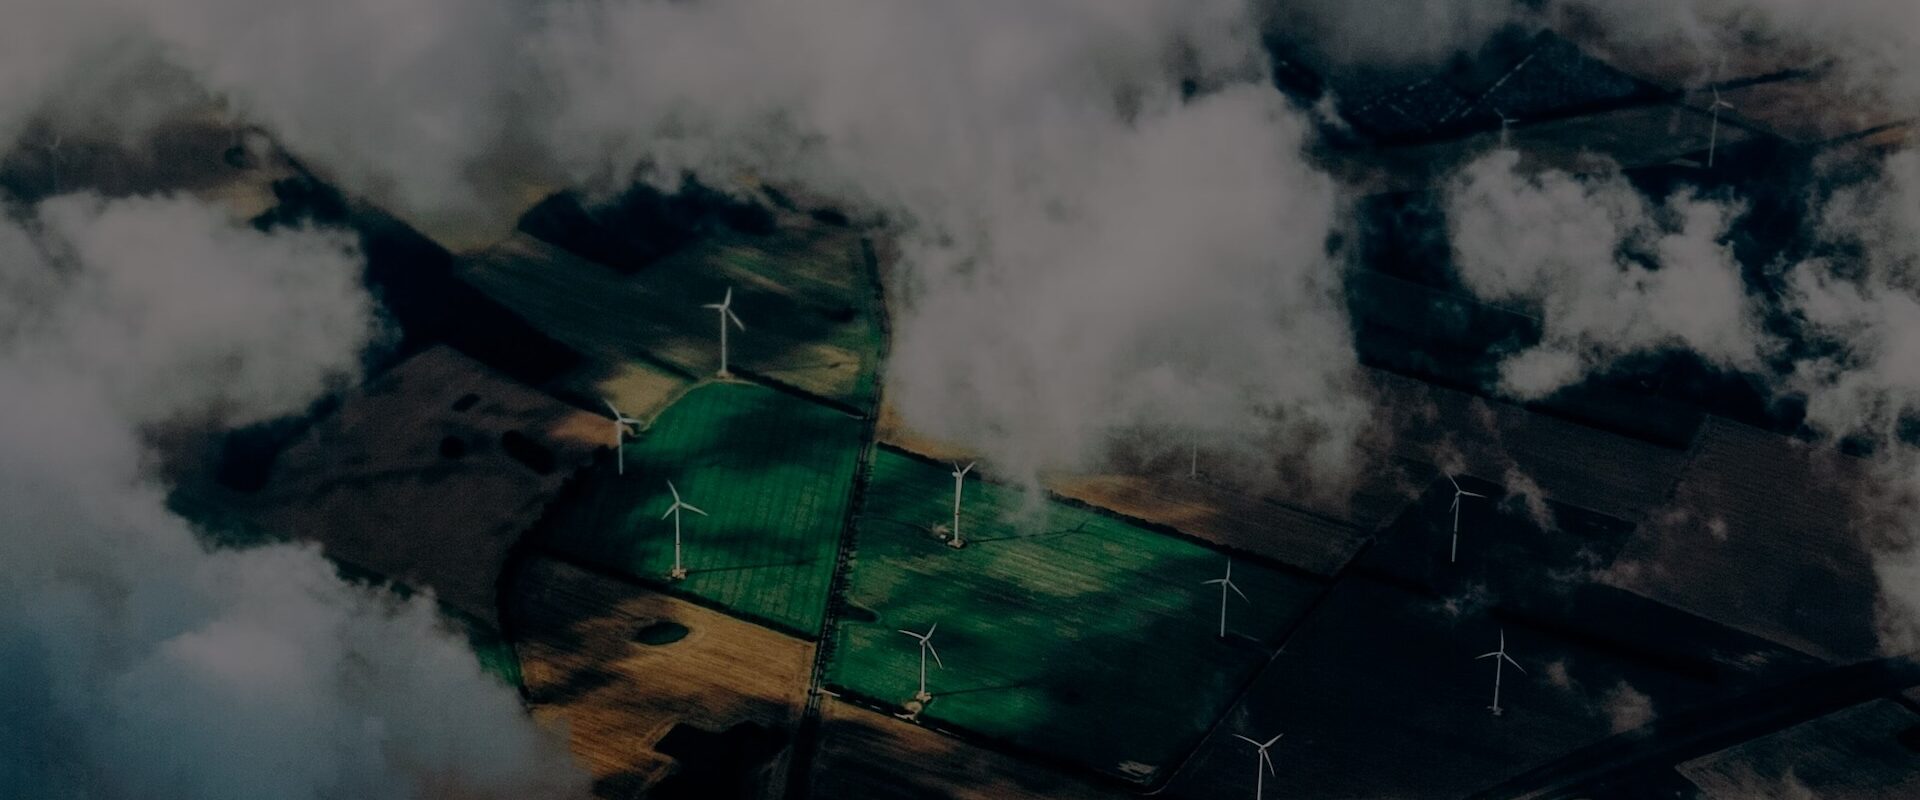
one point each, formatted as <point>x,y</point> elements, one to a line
<point>926,641</point>
<point>1266,760</point>
<point>678,504</point>
<point>1226,582</point>
<point>725,307</point>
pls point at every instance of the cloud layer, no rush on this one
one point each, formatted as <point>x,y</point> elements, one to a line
<point>1608,273</point>
<point>1086,249</point>
<point>141,664</point>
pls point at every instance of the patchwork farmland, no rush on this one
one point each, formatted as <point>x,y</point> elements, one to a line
<point>1063,630</point>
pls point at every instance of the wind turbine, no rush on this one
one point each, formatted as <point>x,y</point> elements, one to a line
<point>959,481</point>
<point>678,572</point>
<point>926,646</point>
<point>1713,136</point>
<point>620,433</point>
<point>725,308</point>
<point>1225,584</point>
<point>1505,123</point>
<point>1454,552</point>
<point>1264,766</point>
<point>1193,458</point>
<point>1498,656</point>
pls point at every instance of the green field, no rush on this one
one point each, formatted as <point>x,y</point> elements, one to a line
<point>773,472</point>
<point>1063,630</point>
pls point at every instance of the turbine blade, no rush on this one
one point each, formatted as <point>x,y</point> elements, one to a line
<point>1214,581</point>
<point>676,493</point>
<point>1471,494</point>
<point>969,467</point>
<point>934,653</point>
<point>1456,484</point>
<point>692,509</point>
<point>736,320</point>
<point>1236,590</point>
<point>728,300</point>
<point>908,632</point>
<point>1247,740</point>
<point>616,412</point>
<point>670,510</point>
<point>1516,664</point>
<point>1490,655</point>
<point>1267,761</point>
<point>932,628</point>
<point>1276,737</point>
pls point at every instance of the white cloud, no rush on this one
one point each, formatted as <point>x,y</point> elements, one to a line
<point>1608,274</point>
<point>141,664</point>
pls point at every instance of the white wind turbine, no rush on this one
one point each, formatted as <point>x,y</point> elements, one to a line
<point>1225,584</point>
<point>725,309</point>
<point>1713,135</point>
<point>959,481</point>
<point>1453,552</point>
<point>620,434</point>
<point>678,572</point>
<point>926,646</point>
<point>1264,766</point>
<point>1499,656</point>
<point>1505,123</point>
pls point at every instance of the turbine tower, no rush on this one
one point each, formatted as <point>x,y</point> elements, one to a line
<point>959,481</point>
<point>725,309</point>
<point>1225,584</point>
<point>620,432</point>
<point>926,646</point>
<point>1498,657</point>
<point>1263,767</point>
<point>678,572</point>
<point>1713,136</point>
<point>1453,552</point>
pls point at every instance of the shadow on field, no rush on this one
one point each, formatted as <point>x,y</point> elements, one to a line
<point>718,766</point>
<point>1086,644</point>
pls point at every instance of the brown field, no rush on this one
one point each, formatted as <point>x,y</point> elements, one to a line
<point>801,293</point>
<point>1857,754</point>
<point>186,154</point>
<point>892,429</point>
<point>871,756</point>
<point>374,485</point>
<point>619,697</point>
<point>1317,535</point>
<point>1804,111</point>
<point>1676,67</point>
<point>1760,536</point>
<point>1313,543</point>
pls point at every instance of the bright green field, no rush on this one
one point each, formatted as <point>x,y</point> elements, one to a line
<point>774,473</point>
<point>1065,631</point>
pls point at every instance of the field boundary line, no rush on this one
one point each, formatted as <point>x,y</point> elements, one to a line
<point>806,738</point>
